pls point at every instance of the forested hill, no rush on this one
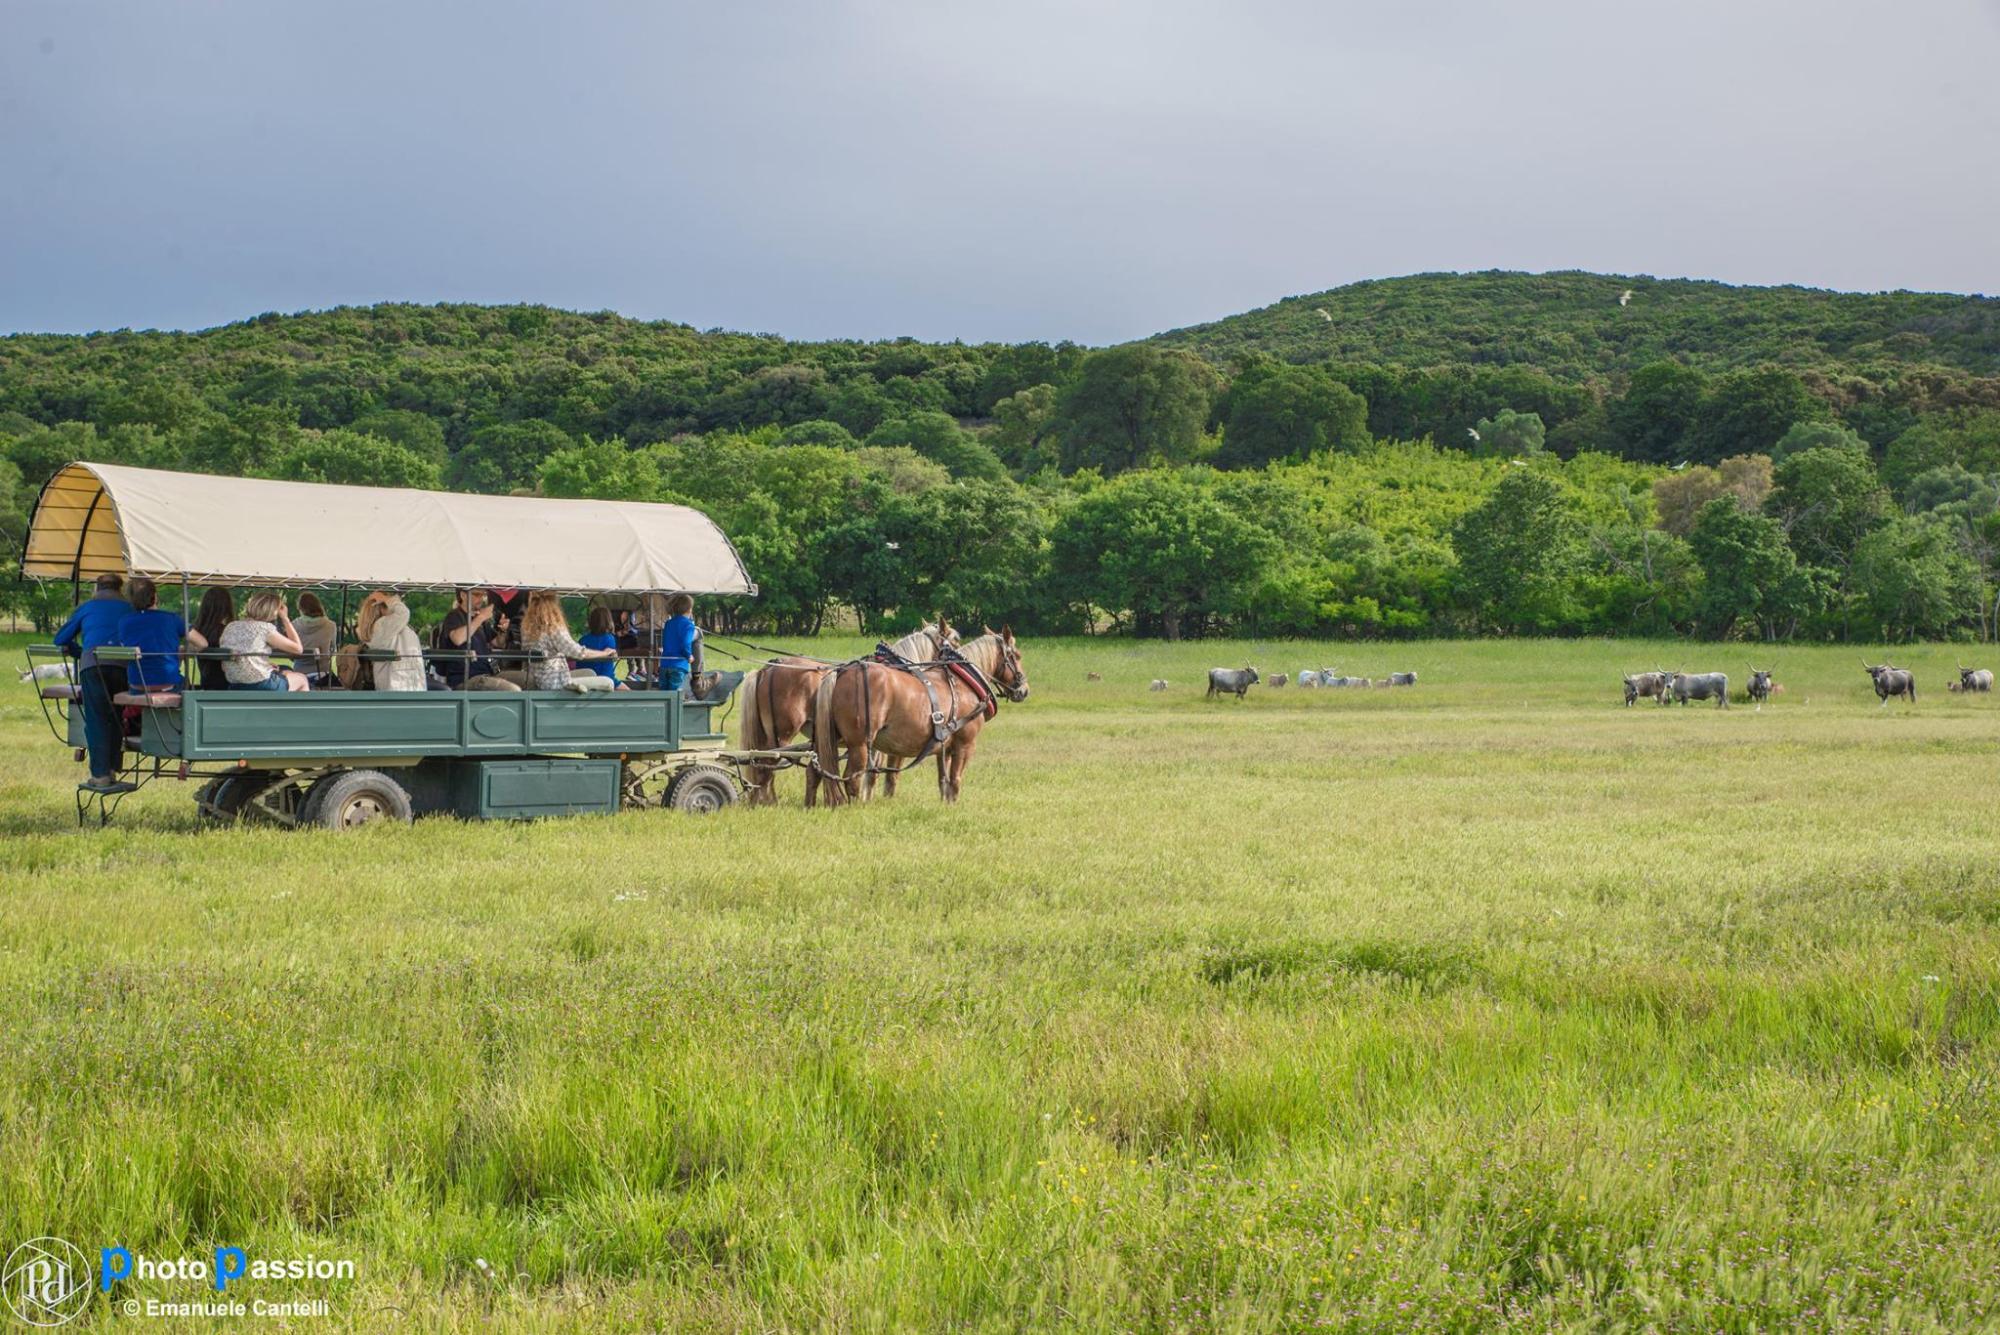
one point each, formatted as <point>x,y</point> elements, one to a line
<point>1486,453</point>
<point>1573,326</point>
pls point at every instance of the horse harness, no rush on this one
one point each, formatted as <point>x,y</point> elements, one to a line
<point>944,723</point>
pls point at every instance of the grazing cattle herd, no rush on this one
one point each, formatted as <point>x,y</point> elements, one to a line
<point>1238,681</point>
<point>1668,688</point>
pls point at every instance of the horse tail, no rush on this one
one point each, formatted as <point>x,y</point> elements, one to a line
<point>752,731</point>
<point>826,737</point>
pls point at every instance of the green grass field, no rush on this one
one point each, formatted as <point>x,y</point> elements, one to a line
<point>1486,1004</point>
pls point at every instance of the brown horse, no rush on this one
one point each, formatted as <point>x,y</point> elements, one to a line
<point>876,709</point>
<point>778,705</point>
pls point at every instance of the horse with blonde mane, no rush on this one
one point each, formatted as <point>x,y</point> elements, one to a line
<point>908,713</point>
<point>778,699</point>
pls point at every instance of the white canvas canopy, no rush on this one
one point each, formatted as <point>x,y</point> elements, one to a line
<point>96,519</point>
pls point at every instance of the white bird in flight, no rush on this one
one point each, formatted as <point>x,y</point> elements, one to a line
<point>1320,311</point>
<point>1625,297</point>
<point>1472,432</point>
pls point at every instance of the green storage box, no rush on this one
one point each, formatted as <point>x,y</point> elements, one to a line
<point>525,789</point>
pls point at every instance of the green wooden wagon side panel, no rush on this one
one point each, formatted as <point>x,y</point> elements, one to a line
<point>224,726</point>
<point>628,721</point>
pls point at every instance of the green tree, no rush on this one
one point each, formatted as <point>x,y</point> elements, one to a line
<point>603,470</point>
<point>1748,572</point>
<point>1509,435</point>
<point>1276,411</point>
<point>940,439</point>
<point>1913,580</point>
<point>1133,405</point>
<point>1827,500</point>
<point>902,469</point>
<point>1025,437</point>
<point>248,441</point>
<point>1748,412</point>
<point>1678,497</point>
<point>1816,435</point>
<point>1157,544</point>
<point>1660,406</point>
<point>1520,553</point>
<point>505,456</point>
<point>1024,366</point>
<point>419,433</point>
<point>354,459</point>
<point>819,432</point>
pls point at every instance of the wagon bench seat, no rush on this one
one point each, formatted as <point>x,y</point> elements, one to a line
<point>61,691</point>
<point>148,699</point>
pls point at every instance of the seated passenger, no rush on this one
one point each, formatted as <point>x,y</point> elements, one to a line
<point>463,632</point>
<point>385,627</point>
<point>157,635</point>
<point>318,633</point>
<point>680,643</point>
<point>265,625</point>
<point>217,610</point>
<point>545,629</point>
<point>600,635</point>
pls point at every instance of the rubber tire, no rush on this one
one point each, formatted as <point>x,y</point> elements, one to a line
<point>353,798</point>
<point>228,792</point>
<point>701,789</point>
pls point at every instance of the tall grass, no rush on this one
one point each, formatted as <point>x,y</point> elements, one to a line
<point>1484,1004</point>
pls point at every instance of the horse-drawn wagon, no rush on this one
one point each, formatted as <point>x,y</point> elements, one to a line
<point>343,758</point>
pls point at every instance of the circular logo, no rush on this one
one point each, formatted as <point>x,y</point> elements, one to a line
<point>46,1282</point>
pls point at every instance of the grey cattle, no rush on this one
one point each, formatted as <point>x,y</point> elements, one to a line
<point>1891,682</point>
<point>1278,679</point>
<point>1308,678</point>
<point>1230,681</point>
<point>1686,686</point>
<point>1402,679</point>
<point>1760,686</point>
<point>1158,685</point>
<point>1974,679</point>
<point>1647,685</point>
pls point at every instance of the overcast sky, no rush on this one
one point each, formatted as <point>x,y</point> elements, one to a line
<point>991,170</point>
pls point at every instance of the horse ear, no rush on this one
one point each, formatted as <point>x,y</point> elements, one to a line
<point>988,629</point>
<point>1007,633</point>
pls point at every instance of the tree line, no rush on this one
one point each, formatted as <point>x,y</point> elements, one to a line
<point>1142,488</point>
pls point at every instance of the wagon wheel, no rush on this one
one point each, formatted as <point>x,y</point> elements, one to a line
<point>353,798</point>
<point>220,800</point>
<point>275,799</point>
<point>701,789</point>
<point>645,783</point>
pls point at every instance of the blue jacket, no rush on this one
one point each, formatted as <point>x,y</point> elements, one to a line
<point>677,639</point>
<point>92,624</point>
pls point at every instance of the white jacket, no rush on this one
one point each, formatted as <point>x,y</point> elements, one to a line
<point>405,672</point>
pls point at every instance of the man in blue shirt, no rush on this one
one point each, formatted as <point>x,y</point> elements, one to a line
<point>680,643</point>
<point>89,628</point>
<point>157,635</point>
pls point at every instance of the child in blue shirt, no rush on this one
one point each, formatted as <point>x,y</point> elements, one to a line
<point>600,636</point>
<point>680,643</point>
<point>157,635</point>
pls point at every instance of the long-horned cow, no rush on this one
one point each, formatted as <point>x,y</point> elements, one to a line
<point>1891,682</point>
<point>1974,679</point>
<point>1230,681</point>
<point>1686,686</point>
<point>1760,686</point>
<point>1647,685</point>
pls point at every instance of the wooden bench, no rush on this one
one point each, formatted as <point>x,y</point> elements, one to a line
<point>147,699</point>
